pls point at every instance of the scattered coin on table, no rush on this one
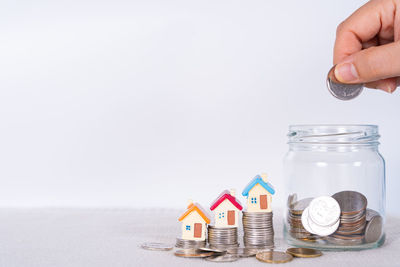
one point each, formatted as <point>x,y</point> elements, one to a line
<point>212,250</point>
<point>304,252</point>
<point>223,258</point>
<point>243,252</point>
<point>274,256</point>
<point>156,246</point>
<point>191,253</point>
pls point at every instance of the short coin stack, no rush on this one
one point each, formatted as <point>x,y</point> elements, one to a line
<point>295,210</point>
<point>353,216</point>
<point>186,244</point>
<point>222,238</point>
<point>258,230</point>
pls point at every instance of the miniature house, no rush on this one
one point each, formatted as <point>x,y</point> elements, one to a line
<point>259,194</point>
<point>194,222</point>
<point>226,210</point>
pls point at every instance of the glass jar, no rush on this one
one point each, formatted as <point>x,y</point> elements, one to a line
<point>328,165</point>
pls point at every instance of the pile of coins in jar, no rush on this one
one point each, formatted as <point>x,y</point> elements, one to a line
<point>341,219</point>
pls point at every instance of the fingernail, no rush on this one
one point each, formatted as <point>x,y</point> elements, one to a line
<point>346,72</point>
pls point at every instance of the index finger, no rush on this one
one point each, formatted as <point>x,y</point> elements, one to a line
<point>363,25</point>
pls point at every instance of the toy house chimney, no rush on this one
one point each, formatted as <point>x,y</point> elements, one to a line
<point>264,177</point>
<point>232,192</point>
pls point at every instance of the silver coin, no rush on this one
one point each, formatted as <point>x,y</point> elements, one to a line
<point>189,244</point>
<point>156,246</point>
<point>243,252</point>
<point>351,202</point>
<point>371,213</point>
<point>324,211</point>
<point>300,205</point>
<point>212,250</point>
<point>292,198</point>
<point>322,230</point>
<point>340,90</point>
<point>373,230</point>
<point>223,258</point>
<point>343,242</point>
<point>304,221</point>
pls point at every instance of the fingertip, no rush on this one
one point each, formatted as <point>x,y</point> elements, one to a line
<point>346,72</point>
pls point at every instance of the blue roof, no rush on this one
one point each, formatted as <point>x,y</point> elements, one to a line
<point>258,180</point>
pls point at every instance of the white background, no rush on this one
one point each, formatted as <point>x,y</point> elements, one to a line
<point>149,103</point>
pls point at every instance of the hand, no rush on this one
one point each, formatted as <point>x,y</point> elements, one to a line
<point>367,47</point>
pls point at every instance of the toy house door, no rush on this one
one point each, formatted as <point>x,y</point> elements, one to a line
<point>263,202</point>
<point>197,230</point>
<point>231,217</point>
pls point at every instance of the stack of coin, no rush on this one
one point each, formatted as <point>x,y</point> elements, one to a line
<point>187,244</point>
<point>295,211</point>
<point>222,238</point>
<point>353,216</point>
<point>258,230</point>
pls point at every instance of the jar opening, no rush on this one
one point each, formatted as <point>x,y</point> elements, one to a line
<point>334,134</point>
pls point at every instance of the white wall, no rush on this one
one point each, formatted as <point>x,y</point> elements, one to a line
<point>149,103</point>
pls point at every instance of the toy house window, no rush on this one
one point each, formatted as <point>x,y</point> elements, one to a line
<point>187,227</point>
<point>221,215</point>
<point>254,200</point>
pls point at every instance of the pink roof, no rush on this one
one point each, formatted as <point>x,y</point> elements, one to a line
<point>226,195</point>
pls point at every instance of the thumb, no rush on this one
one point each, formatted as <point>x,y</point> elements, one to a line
<point>371,64</point>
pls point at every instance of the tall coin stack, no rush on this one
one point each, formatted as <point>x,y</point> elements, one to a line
<point>258,230</point>
<point>353,216</point>
<point>295,211</point>
<point>186,243</point>
<point>222,238</point>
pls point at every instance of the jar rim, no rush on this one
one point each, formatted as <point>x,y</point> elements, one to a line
<point>334,134</point>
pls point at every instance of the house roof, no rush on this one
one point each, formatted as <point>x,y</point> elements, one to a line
<point>195,207</point>
<point>258,180</point>
<point>226,195</point>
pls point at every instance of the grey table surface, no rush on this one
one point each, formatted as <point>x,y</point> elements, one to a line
<point>112,237</point>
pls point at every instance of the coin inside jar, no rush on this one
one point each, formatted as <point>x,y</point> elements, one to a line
<point>373,229</point>
<point>299,206</point>
<point>350,202</point>
<point>324,211</point>
<point>304,252</point>
<point>340,90</point>
<point>274,257</point>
